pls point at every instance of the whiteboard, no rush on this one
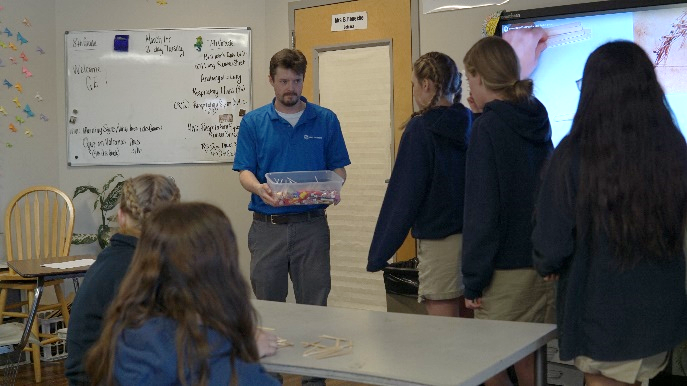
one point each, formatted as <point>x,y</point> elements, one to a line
<point>160,96</point>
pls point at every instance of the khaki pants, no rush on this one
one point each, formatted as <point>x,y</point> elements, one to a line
<point>519,295</point>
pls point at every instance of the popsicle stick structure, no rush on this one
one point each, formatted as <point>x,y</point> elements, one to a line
<point>318,350</point>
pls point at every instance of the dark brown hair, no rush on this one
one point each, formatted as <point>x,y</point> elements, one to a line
<point>497,64</point>
<point>186,269</point>
<point>290,59</point>
<point>633,158</point>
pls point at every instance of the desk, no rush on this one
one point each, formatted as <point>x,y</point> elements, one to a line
<point>33,269</point>
<point>402,349</point>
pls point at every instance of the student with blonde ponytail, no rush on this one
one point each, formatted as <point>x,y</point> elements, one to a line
<point>510,143</point>
<point>140,195</point>
<point>425,191</point>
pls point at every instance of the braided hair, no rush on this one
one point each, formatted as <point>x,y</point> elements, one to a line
<point>142,194</point>
<point>443,72</point>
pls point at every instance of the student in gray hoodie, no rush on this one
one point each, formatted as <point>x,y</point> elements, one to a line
<point>510,143</point>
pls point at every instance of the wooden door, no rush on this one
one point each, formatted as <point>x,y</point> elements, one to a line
<point>347,90</point>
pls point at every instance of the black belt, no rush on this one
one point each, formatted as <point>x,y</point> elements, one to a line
<point>288,218</point>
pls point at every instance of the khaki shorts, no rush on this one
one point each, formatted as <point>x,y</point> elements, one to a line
<point>518,295</point>
<point>638,370</point>
<point>439,268</point>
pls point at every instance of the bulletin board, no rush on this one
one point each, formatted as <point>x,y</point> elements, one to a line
<point>161,96</point>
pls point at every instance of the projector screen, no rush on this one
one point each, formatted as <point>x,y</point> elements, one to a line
<point>575,31</point>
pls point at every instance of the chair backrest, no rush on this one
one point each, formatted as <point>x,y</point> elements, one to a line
<point>39,223</point>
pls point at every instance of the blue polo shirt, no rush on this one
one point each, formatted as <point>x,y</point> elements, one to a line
<point>268,143</point>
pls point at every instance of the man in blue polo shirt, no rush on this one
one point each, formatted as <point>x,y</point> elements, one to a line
<point>289,134</point>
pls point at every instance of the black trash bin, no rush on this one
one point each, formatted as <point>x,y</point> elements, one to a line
<point>401,284</point>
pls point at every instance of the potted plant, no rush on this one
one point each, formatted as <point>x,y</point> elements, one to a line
<point>106,200</point>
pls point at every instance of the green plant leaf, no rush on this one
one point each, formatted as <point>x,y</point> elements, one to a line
<point>84,238</point>
<point>103,235</point>
<point>85,188</point>
<point>107,185</point>
<point>113,197</point>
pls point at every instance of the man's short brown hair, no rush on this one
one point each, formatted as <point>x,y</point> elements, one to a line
<point>291,59</point>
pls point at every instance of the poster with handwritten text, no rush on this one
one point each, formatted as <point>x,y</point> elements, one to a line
<point>156,96</point>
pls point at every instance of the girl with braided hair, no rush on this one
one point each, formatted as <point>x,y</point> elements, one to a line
<point>510,143</point>
<point>426,187</point>
<point>140,195</point>
<point>183,314</point>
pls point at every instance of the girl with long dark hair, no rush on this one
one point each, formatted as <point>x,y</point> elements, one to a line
<point>182,315</point>
<point>610,223</point>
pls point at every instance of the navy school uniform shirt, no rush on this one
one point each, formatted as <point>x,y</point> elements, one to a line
<point>509,145</point>
<point>602,311</point>
<point>99,287</point>
<point>268,143</point>
<point>427,183</point>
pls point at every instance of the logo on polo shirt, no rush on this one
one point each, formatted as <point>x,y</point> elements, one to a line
<point>310,137</point>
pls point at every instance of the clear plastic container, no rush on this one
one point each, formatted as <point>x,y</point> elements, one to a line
<point>306,187</point>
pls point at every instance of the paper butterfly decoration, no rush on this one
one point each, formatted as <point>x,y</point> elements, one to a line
<point>23,56</point>
<point>39,97</point>
<point>1,63</point>
<point>14,129</point>
<point>2,110</point>
<point>26,22</point>
<point>21,38</point>
<point>7,31</point>
<point>26,72</point>
<point>13,60</point>
<point>43,117</point>
<point>12,46</point>
<point>7,83</point>
<point>18,87</point>
<point>28,111</point>
<point>16,102</point>
<point>19,119</point>
<point>28,133</point>
<point>3,44</point>
<point>40,50</point>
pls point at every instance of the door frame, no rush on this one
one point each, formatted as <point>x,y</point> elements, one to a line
<point>408,249</point>
<point>414,21</point>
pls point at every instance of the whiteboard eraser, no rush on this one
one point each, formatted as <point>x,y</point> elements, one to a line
<point>121,43</point>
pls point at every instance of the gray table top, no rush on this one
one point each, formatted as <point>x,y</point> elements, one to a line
<point>394,349</point>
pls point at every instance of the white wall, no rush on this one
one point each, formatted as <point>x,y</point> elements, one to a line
<point>30,160</point>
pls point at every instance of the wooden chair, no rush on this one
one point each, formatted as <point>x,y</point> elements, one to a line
<point>39,223</point>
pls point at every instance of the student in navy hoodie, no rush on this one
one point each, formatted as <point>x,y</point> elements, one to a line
<point>140,195</point>
<point>510,142</point>
<point>425,191</point>
<point>611,220</point>
<point>183,313</point>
